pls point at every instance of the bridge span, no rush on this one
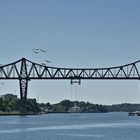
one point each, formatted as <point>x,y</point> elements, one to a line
<point>25,70</point>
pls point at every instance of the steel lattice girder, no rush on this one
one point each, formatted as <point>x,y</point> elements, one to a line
<point>38,71</point>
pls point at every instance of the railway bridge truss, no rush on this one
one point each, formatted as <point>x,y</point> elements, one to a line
<point>25,70</point>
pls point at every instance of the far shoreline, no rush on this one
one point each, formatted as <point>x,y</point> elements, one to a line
<point>17,114</point>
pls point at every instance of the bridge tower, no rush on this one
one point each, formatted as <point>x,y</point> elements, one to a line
<point>23,81</point>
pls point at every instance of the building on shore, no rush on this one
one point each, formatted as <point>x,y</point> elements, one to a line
<point>75,109</point>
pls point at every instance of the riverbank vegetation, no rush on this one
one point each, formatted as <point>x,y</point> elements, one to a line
<point>10,104</point>
<point>65,105</point>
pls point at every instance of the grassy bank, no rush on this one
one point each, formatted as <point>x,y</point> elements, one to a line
<point>16,113</point>
<point>9,113</point>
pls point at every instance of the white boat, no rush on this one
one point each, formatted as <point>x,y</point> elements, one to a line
<point>135,113</point>
<point>75,109</point>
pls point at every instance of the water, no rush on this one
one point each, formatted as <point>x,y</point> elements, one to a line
<point>96,126</point>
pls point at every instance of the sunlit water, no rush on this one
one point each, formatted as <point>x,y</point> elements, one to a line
<point>96,126</point>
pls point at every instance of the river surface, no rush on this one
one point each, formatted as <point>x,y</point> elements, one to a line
<point>93,126</point>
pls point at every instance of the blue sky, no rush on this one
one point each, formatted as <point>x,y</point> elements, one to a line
<point>77,33</point>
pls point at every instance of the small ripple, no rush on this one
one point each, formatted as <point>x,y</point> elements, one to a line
<point>82,135</point>
<point>71,127</point>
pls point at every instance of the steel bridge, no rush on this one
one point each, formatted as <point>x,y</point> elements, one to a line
<point>25,70</point>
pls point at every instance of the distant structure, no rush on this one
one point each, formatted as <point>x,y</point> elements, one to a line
<point>75,109</point>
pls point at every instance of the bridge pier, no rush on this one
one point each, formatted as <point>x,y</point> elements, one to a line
<point>23,95</point>
<point>23,81</point>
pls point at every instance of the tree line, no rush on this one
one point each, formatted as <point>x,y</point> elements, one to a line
<point>10,103</point>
